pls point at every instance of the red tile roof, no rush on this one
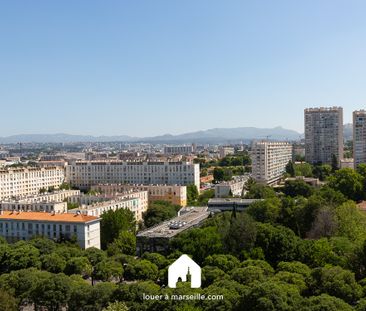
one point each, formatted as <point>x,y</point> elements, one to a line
<point>42,216</point>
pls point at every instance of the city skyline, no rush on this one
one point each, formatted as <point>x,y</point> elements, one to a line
<point>149,69</point>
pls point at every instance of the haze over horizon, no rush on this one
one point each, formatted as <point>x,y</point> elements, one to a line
<point>152,68</point>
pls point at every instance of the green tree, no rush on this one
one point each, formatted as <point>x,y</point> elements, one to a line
<point>52,293</point>
<point>351,222</point>
<point>325,302</point>
<point>264,265</point>
<point>95,255</point>
<point>291,213</point>
<point>116,306</point>
<point>108,269</point>
<point>322,171</point>
<point>203,198</point>
<point>269,296</point>
<point>156,258</point>
<point>337,282</point>
<point>78,265</point>
<point>222,174</point>
<point>292,278</point>
<point>265,211</point>
<point>294,267</point>
<point>278,243</point>
<point>199,242</point>
<point>239,234</point>
<point>210,274</point>
<point>259,191</point>
<point>102,294</point>
<point>141,270</point>
<point>223,262</point>
<point>44,245</point>
<point>290,168</point>
<point>113,222</point>
<point>158,212</point>
<point>53,263</point>
<point>22,255</point>
<point>304,169</point>
<point>297,187</point>
<point>125,243</point>
<point>192,194</point>
<point>335,163</point>
<point>7,301</point>
<point>348,182</point>
<point>248,275</point>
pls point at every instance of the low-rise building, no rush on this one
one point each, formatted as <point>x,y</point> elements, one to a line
<point>348,163</point>
<point>172,193</point>
<point>25,205</point>
<point>16,226</point>
<point>55,196</point>
<point>96,205</point>
<point>156,239</point>
<point>315,182</point>
<point>229,204</point>
<point>234,187</point>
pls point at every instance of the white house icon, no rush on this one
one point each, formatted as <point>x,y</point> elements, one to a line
<point>184,268</point>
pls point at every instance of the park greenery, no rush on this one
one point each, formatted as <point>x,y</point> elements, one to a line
<point>224,168</point>
<point>299,248</point>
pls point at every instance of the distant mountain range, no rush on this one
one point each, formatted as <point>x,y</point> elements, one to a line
<point>216,135</point>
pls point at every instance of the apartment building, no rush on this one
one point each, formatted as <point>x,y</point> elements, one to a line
<point>226,150</point>
<point>234,187</point>
<point>96,205</point>
<point>84,174</point>
<point>172,193</point>
<point>27,205</point>
<point>25,181</point>
<point>18,225</point>
<point>54,196</point>
<point>185,150</point>
<point>359,137</point>
<point>323,134</point>
<point>269,160</point>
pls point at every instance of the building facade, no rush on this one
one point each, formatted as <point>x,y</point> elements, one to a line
<point>55,196</point>
<point>323,134</point>
<point>269,160</point>
<point>27,205</point>
<point>84,174</point>
<point>15,182</point>
<point>233,187</point>
<point>359,137</point>
<point>96,205</point>
<point>173,194</point>
<point>16,226</point>
<point>226,150</point>
<point>185,150</point>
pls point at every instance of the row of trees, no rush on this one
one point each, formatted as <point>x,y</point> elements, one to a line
<point>238,159</point>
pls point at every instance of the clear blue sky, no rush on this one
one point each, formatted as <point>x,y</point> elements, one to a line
<point>151,67</point>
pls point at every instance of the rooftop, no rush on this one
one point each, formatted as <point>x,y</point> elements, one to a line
<point>191,217</point>
<point>42,216</point>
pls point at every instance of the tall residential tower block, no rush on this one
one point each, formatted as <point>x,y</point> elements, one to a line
<point>323,134</point>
